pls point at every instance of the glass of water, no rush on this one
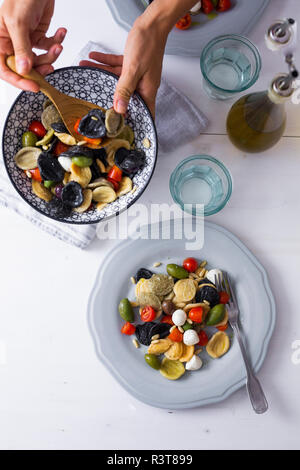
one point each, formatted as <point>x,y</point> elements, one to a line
<point>201,185</point>
<point>230,64</point>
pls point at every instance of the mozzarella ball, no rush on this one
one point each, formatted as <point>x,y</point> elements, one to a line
<point>179,317</point>
<point>196,7</point>
<point>65,162</point>
<point>194,364</point>
<point>190,337</point>
<point>211,275</point>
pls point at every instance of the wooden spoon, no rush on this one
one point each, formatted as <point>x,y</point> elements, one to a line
<point>69,108</point>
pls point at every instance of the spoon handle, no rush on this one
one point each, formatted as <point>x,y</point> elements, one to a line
<point>45,87</point>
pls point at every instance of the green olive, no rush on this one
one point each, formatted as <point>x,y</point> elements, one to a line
<point>152,361</point>
<point>215,315</point>
<point>49,184</point>
<point>126,310</point>
<point>187,326</point>
<point>82,162</point>
<point>29,139</point>
<point>177,271</point>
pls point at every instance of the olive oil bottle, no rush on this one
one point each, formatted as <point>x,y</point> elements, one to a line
<point>256,122</point>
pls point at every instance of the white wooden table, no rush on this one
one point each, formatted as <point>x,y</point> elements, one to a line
<point>54,392</point>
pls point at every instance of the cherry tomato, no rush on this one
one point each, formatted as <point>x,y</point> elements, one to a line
<point>190,264</point>
<point>167,319</point>
<point>115,184</point>
<point>224,5</point>
<point>224,297</point>
<point>196,314</point>
<point>37,128</point>
<point>35,175</point>
<point>185,22</point>
<point>207,6</point>
<point>128,329</point>
<point>148,314</point>
<point>222,327</point>
<point>176,336</point>
<point>203,338</point>
<point>115,173</point>
<point>76,125</point>
<point>60,148</point>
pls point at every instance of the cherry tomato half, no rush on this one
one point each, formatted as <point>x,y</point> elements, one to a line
<point>37,128</point>
<point>196,314</point>
<point>115,184</point>
<point>128,329</point>
<point>176,336</point>
<point>222,327</point>
<point>185,22</point>
<point>115,173</point>
<point>35,174</point>
<point>224,297</point>
<point>224,5</point>
<point>203,338</point>
<point>190,264</point>
<point>60,148</point>
<point>207,6</point>
<point>148,314</point>
<point>167,319</point>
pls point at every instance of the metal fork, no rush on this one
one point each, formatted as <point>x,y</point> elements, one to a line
<point>255,391</point>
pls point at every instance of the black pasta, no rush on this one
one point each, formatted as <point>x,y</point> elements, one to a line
<point>130,161</point>
<point>143,273</point>
<point>81,151</point>
<point>50,168</point>
<point>59,127</point>
<point>161,329</point>
<point>58,209</point>
<point>142,333</point>
<point>208,293</point>
<point>72,195</point>
<point>93,124</point>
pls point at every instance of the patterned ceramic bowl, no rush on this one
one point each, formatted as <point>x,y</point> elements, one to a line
<point>96,86</point>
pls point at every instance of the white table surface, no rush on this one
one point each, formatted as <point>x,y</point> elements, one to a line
<point>54,394</point>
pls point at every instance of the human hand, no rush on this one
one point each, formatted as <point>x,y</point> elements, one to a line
<point>139,69</point>
<point>23,26</point>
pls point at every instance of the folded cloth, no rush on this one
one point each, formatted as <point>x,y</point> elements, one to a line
<point>177,120</point>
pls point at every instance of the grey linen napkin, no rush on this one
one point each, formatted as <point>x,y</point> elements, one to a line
<point>177,120</point>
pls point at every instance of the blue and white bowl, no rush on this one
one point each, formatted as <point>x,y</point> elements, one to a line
<point>96,86</point>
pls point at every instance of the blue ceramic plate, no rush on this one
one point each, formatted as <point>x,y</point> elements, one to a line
<point>239,20</point>
<point>218,378</point>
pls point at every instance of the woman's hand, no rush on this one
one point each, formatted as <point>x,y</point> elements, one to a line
<point>23,26</point>
<point>139,69</point>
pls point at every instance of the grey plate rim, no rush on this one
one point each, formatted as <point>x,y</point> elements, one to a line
<point>177,50</point>
<point>201,402</point>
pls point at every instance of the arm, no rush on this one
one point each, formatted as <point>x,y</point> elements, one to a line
<point>23,26</point>
<point>140,68</point>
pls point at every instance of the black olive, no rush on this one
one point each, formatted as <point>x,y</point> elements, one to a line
<point>208,293</point>
<point>72,195</point>
<point>130,161</point>
<point>50,168</point>
<point>59,127</point>
<point>93,124</point>
<point>142,333</point>
<point>143,273</point>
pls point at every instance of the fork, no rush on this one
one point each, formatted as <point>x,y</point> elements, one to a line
<point>255,391</point>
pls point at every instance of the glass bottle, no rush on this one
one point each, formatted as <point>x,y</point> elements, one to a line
<point>256,122</point>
